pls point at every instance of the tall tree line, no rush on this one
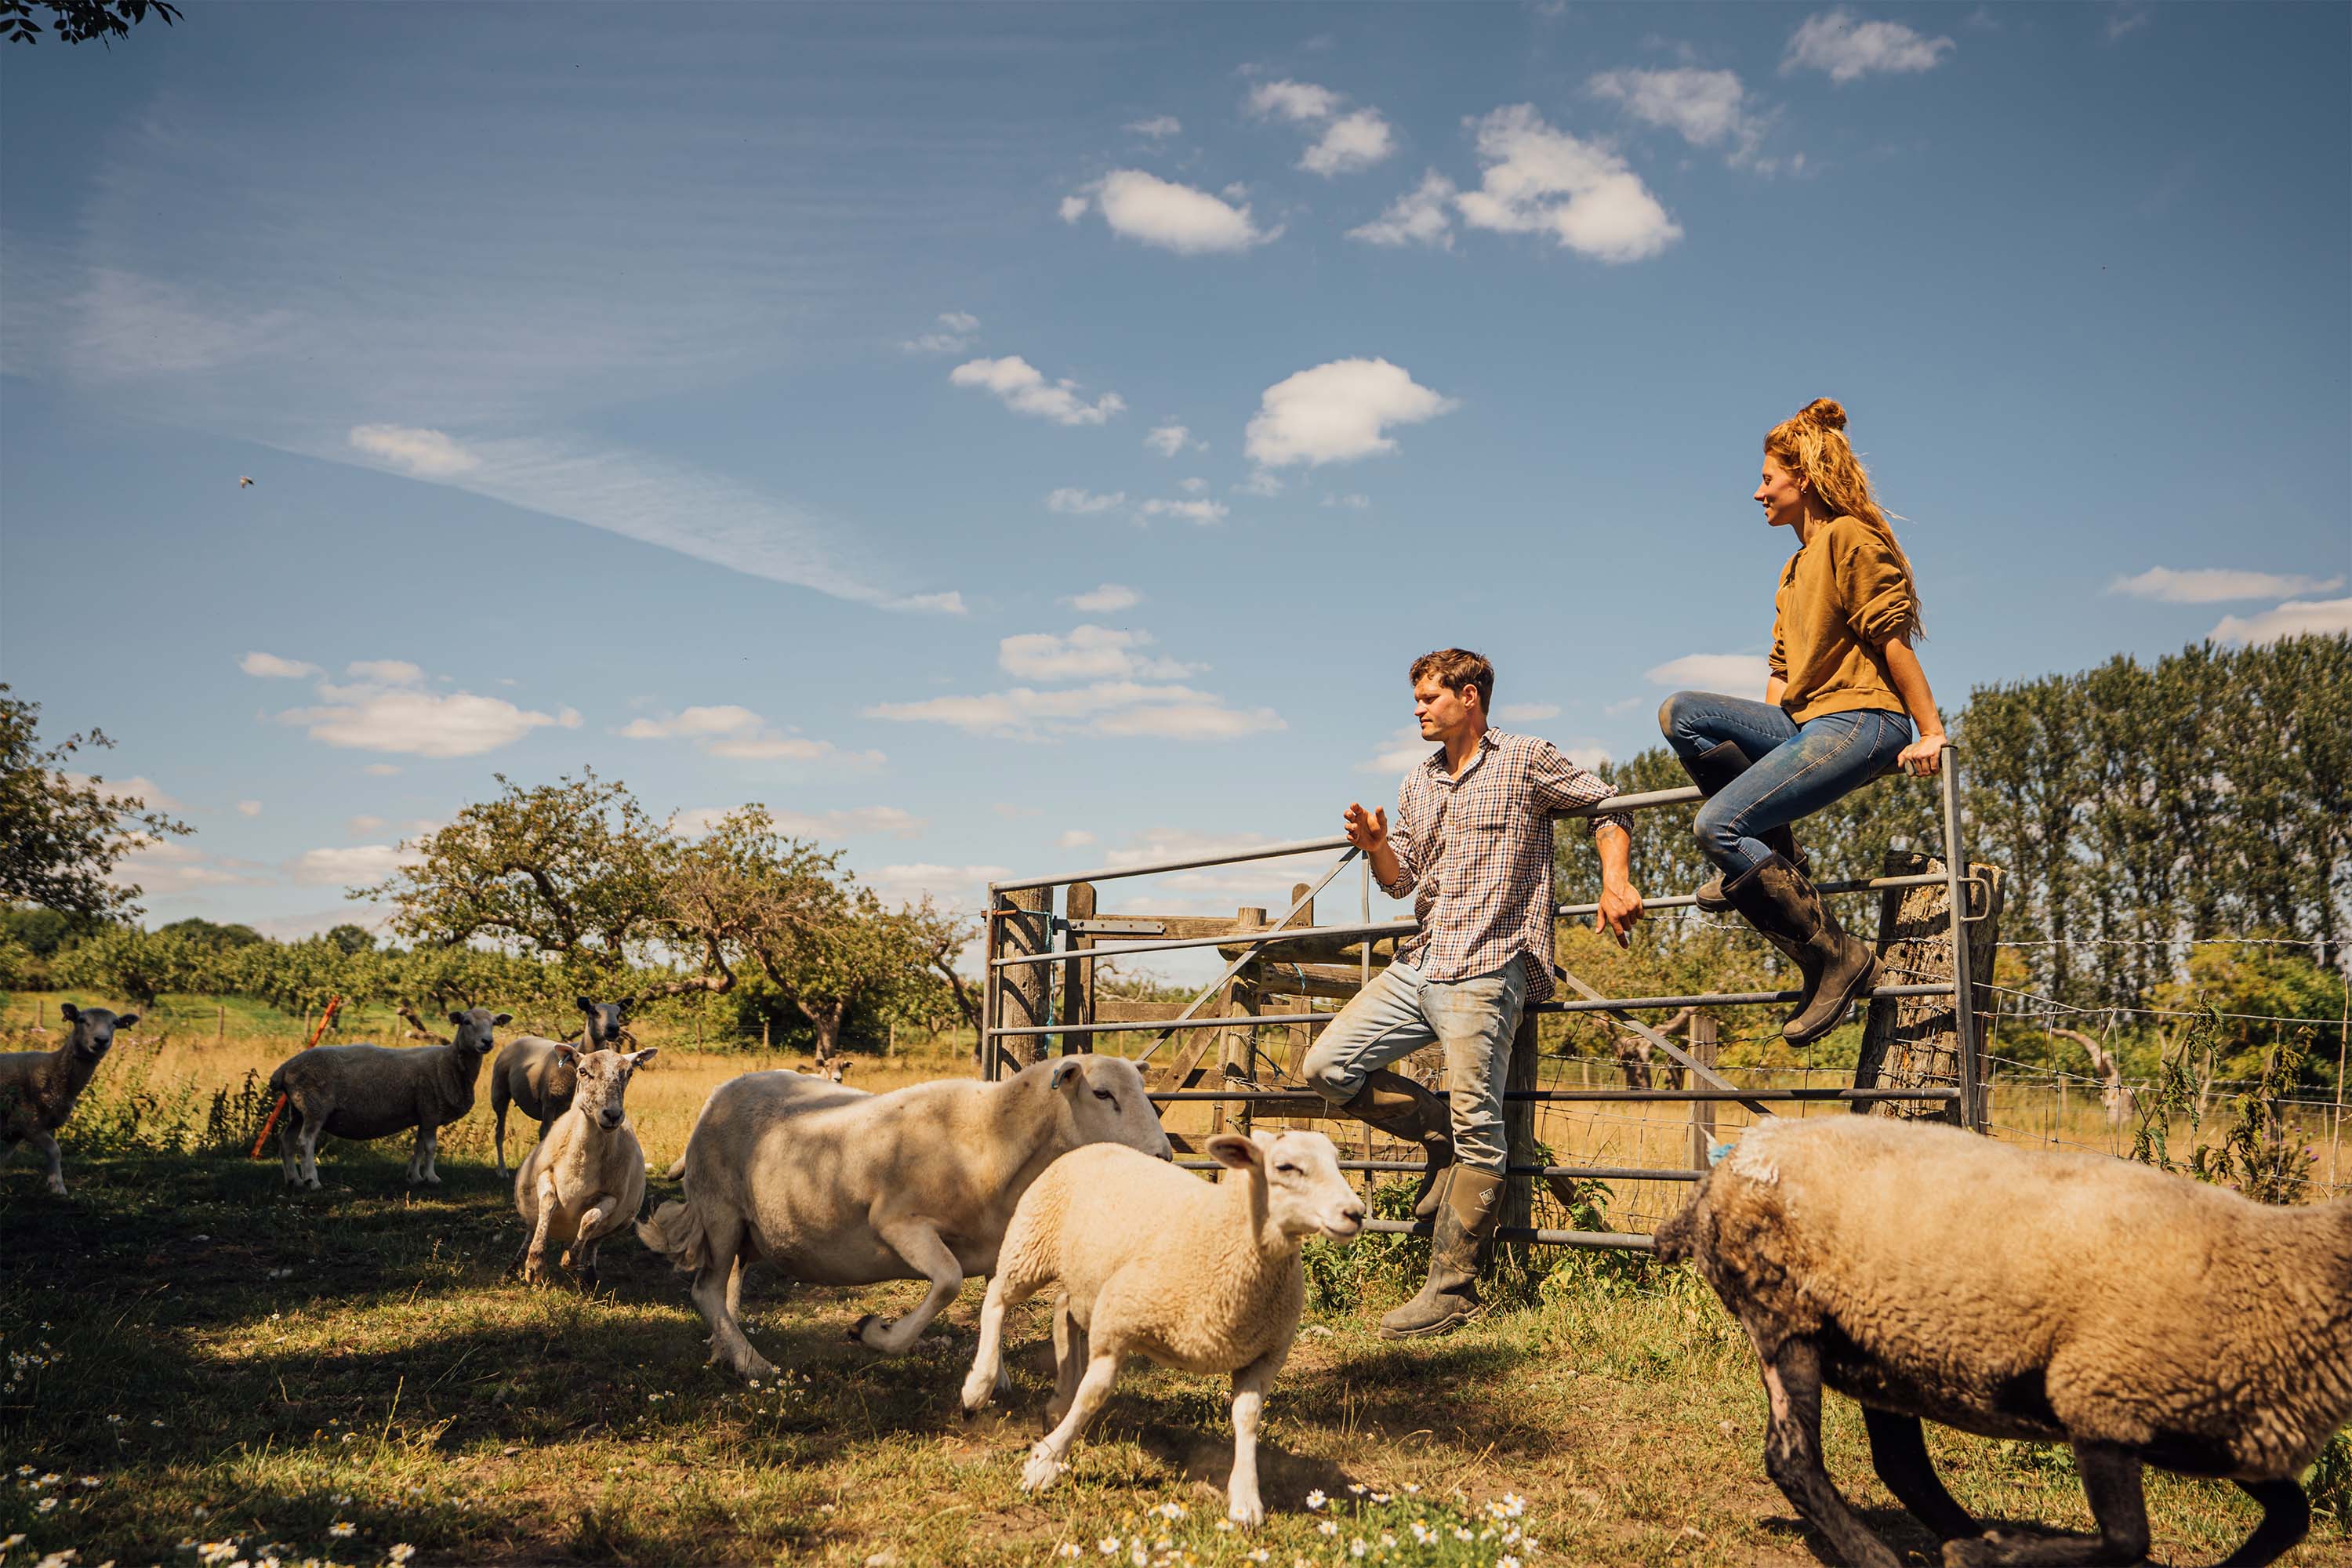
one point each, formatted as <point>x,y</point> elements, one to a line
<point>2134,807</point>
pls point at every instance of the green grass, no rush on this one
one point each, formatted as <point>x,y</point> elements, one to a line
<point>232,1363</point>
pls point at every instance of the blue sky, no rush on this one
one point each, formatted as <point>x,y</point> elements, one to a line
<point>1007,438</point>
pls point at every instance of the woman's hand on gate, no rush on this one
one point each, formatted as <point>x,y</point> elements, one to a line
<point>1923,756</point>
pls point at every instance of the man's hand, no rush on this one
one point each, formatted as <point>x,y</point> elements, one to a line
<point>1367,830</point>
<point>1621,909</point>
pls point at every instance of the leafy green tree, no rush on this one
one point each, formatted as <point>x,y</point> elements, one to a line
<point>205,934</point>
<point>78,21</point>
<point>60,838</point>
<point>351,939</point>
<point>124,961</point>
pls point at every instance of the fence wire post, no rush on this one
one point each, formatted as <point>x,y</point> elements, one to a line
<point>1964,1001</point>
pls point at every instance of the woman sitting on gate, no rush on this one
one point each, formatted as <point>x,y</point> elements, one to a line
<point>1833,718</point>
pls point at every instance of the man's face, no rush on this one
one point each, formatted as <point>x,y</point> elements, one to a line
<point>1442,711</point>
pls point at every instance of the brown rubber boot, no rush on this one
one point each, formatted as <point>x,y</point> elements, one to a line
<point>1465,1223</point>
<point>1401,1108</point>
<point>1777,901</point>
<point>1711,770</point>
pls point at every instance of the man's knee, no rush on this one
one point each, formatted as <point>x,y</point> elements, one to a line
<point>1327,1074</point>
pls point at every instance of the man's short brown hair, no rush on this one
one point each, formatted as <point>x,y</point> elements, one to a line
<point>1456,667</point>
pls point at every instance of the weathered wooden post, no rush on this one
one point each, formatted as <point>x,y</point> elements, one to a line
<point>1702,1112</point>
<point>1520,1124</point>
<point>1917,1042</point>
<point>1023,923</point>
<point>1079,974</point>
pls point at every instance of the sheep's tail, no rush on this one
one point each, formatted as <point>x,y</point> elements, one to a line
<point>676,1232</point>
<point>676,1171</point>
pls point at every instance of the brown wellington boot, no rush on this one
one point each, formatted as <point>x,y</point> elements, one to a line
<point>1401,1108</point>
<point>1777,901</point>
<point>1711,770</point>
<point>1465,1223</point>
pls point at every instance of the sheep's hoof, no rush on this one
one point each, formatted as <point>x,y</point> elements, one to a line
<point>1983,1551</point>
<point>976,1390</point>
<point>1248,1513</point>
<point>56,1187</point>
<point>858,1329</point>
<point>1042,1471</point>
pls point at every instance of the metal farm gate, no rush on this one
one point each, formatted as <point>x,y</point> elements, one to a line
<point>1922,1051</point>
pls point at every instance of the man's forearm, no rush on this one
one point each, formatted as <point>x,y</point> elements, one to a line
<point>1616,848</point>
<point>1386,867</point>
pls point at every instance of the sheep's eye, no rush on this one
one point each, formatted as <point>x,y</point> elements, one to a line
<point>1106,1094</point>
<point>1286,1170</point>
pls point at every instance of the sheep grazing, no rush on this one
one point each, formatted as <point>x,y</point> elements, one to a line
<point>1150,1260</point>
<point>37,1089</point>
<point>841,1187</point>
<point>373,1091</point>
<point>535,1074</point>
<point>1932,1274</point>
<point>586,1177</point>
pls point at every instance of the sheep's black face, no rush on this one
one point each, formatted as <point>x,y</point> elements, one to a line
<point>603,1025</point>
<point>475,1026</point>
<point>93,1028</point>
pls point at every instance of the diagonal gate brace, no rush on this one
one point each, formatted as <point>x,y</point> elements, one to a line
<point>1689,1063</point>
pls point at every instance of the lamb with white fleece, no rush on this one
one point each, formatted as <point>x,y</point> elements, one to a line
<point>1148,1260</point>
<point>586,1179</point>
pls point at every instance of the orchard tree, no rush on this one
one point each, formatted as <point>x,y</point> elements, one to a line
<point>59,835</point>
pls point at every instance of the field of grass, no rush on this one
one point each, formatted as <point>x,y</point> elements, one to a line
<point>196,1358</point>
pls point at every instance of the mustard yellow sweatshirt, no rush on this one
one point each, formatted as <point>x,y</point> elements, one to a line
<point>1841,598</point>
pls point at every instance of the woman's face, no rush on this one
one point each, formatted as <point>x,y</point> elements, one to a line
<point>1781,495</point>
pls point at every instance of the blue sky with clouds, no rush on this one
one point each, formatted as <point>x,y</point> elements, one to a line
<point>1008,438</point>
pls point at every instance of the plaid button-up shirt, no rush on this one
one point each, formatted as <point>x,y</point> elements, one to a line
<point>1475,855</point>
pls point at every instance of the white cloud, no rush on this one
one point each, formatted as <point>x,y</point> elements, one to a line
<point>1420,216</point>
<point>138,787</point>
<point>384,671</point>
<point>1847,48</point>
<point>1169,439</point>
<point>958,330</point>
<point>1159,127</point>
<point>1542,181</point>
<point>1527,712</point>
<point>1022,388</point>
<point>1351,501</point>
<point>1298,101</point>
<point>1737,674</point>
<point>427,454</point>
<point>382,709</point>
<point>863,820</point>
<point>1103,601</point>
<point>1351,143</point>
<point>2216,585</point>
<point>249,808</point>
<point>726,730</point>
<point>381,770</point>
<point>2295,618</point>
<point>953,886</point>
<point>1072,501</point>
<point>174,866</point>
<point>946,604</point>
<point>2126,19</point>
<point>1154,211</point>
<point>1200,511</point>
<point>1074,838</point>
<point>1707,108</point>
<point>1403,749</point>
<point>1338,411</point>
<point>269,665</point>
<point>1192,486</point>
<point>1261,483</point>
<point>1104,706</point>
<point>1087,653</point>
<point>348,865</point>
<point>361,826</point>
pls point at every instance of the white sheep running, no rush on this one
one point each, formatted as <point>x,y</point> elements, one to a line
<point>1931,1273</point>
<point>586,1177</point>
<point>374,1091</point>
<point>37,1089</point>
<point>532,1072</point>
<point>1150,1260</point>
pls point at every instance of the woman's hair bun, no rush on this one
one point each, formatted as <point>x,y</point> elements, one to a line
<point>1825,412</point>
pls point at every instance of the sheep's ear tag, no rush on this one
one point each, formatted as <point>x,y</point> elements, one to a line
<point>1067,1075</point>
<point>1720,1152</point>
<point>569,1053</point>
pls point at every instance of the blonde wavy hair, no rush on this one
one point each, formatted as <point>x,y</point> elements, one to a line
<point>1811,445</point>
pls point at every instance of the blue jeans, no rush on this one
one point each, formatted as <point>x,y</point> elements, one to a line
<point>1796,769</point>
<point>1399,1013</point>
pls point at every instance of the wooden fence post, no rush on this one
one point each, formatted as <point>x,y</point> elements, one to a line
<point>1914,1042</point>
<point>1079,974</point>
<point>1520,1124</point>
<point>1024,992</point>
<point>1702,1113</point>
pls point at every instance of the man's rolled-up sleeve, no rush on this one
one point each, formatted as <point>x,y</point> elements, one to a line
<point>1561,786</point>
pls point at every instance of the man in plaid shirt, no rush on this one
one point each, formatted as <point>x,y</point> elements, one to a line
<point>1473,849</point>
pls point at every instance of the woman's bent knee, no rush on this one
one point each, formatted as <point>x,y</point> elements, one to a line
<point>1673,711</point>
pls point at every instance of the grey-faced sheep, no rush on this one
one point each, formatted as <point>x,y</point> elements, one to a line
<point>37,1089</point>
<point>373,1091</point>
<point>533,1074</point>
<point>1933,1274</point>
<point>1150,1260</point>
<point>586,1177</point>
<point>837,1187</point>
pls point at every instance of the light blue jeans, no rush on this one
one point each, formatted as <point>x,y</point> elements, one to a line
<point>1399,1013</point>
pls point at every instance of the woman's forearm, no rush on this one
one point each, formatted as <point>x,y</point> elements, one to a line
<point>1911,685</point>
